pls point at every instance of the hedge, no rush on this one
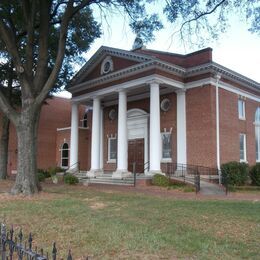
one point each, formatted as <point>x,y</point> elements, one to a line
<point>160,180</point>
<point>234,173</point>
<point>255,174</point>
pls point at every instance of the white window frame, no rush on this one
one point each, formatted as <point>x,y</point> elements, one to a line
<point>85,119</point>
<point>61,156</point>
<point>257,134</point>
<point>166,160</point>
<point>110,160</point>
<point>242,115</point>
<point>244,144</point>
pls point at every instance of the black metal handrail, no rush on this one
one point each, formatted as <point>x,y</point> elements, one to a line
<point>174,168</point>
<point>75,164</point>
<point>189,173</point>
<point>147,166</point>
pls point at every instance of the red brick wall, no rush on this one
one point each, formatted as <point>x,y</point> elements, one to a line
<point>189,60</point>
<point>201,126</point>
<point>231,126</point>
<point>55,114</point>
<point>63,136</point>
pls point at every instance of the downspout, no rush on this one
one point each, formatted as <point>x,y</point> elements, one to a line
<point>218,77</point>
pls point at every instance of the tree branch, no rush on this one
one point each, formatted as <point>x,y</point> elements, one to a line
<point>42,63</point>
<point>202,14</point>
<point>29,17</point>
<point>60,55</point>
<point>7,109</point>
<point>68,14</point>
<point>8,37</point>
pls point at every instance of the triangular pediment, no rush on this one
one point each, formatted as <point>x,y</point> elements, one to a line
<point>108,60</point>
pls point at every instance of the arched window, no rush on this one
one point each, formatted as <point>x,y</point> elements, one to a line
<point>65,155</point>
<point>85,120</point>
<point>257,134</point>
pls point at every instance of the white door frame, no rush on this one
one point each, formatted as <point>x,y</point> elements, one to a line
<point>137,127</point>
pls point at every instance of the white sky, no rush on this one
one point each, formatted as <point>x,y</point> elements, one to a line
<point>237,49</point>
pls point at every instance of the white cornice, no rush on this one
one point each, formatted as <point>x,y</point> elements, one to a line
<point>139,68</point>
<point>228,73</point>
<point>223,85</point>
<point>128,85</point>
<point>147,63</point>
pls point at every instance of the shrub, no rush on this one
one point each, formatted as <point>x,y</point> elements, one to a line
<point>255,174</point>
<point>45,173</point>
<point>53,170</point>
<point>70,179</point>
<point>40,175</point>
<point>59,169</point>
<point>234,173</point>
<point>160,180</point>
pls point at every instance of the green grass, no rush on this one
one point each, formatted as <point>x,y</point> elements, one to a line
<point>247,189</point>
<point>107,225</point>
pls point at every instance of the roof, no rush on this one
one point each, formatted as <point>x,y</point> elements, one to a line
<point>184,65</point>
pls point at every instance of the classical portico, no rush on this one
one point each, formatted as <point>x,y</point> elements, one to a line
<point>126,127</point>
<point>132,124</point>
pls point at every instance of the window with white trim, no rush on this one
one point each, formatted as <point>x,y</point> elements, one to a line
<point>166,146</point>
<point>242,145</point>
<point>257,134</point>
<point>85,120</point>
<point>241,109</point>
<point>112,149</point>
<point>65,155</point>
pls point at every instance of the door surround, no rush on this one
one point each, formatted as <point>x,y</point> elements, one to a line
<point>137,127</point>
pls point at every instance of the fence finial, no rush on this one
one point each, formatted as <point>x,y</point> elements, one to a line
<point>69,256</point>
<point>54,251</point>
<point>30,241</point>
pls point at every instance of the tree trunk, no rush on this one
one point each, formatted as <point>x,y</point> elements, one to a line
<point>26,180</point>
<point>4,139</point>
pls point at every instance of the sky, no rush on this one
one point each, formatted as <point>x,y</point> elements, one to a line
<point>237,49</point>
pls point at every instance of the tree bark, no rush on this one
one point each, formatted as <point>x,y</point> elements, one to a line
<point>26,180</point>
<point>4,139</point>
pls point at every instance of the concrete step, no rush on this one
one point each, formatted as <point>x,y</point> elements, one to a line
<point>106,180</point>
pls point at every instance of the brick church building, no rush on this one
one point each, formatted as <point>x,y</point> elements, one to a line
<point>152,108</point>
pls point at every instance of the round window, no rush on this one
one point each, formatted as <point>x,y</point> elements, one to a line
<point>112,114</point>
<point>165,105</point>
<point>107,65</point>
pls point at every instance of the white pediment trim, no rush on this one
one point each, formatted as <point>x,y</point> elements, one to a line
<point>101,53</point>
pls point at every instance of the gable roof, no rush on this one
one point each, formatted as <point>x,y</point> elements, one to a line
<point>100,54</point>
<point>152,58</point>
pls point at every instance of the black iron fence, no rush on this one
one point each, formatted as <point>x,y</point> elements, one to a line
<point>14,247</point>
<point>190,173</point>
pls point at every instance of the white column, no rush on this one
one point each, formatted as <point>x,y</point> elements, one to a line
<point>218,77</point>
<point>146,149</point>
<point>122,140</point>
<point>101,138</point>
<point>74,136</point>
<point>95,139</point>
<point>181,128</point>
<point>155,129</point>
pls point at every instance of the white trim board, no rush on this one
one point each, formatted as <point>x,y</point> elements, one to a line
<point>226,86</point>
<point>128,85</point>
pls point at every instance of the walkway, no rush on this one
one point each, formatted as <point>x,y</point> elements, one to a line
<point>207,188</point>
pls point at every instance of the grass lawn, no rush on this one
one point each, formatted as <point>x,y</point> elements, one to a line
<point>121,225</point>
